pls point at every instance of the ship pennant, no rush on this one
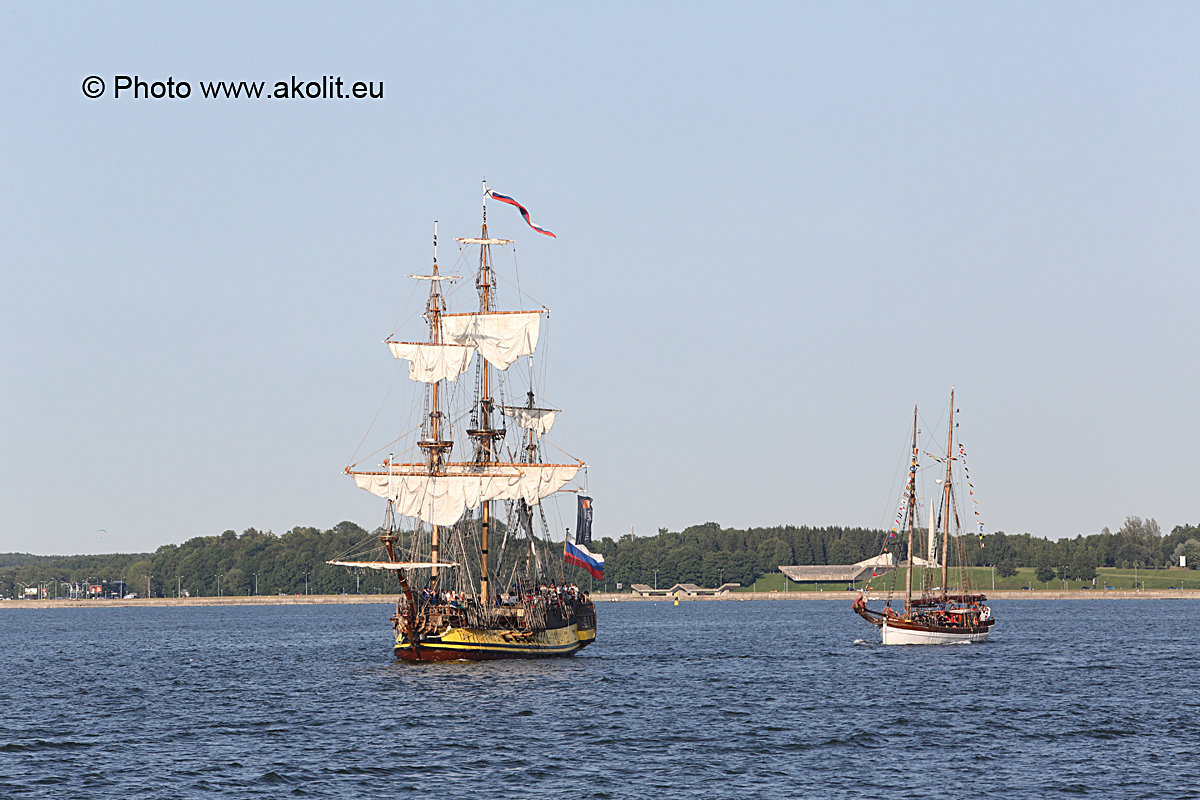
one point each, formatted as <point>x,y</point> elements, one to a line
<point>503,198</point>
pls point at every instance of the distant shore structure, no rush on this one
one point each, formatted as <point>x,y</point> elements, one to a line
<point>843,573</point>
<point>683,590</point>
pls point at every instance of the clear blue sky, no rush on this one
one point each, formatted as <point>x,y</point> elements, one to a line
<point>779,226</point>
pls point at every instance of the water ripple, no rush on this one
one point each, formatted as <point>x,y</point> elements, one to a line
<point>746,700</point>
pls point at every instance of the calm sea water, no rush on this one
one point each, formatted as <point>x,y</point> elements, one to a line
<point>704,700</point>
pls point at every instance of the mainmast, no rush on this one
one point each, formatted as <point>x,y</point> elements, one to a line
<point>484,434</point>
<point>946,497</point>
<point>912,515</point>
<point>531,440</point>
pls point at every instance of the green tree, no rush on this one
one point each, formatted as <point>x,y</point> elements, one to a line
<point>1082,568</point>
<point>1006,567</point>
<point>1138,542</point>
<point>1190,549</point>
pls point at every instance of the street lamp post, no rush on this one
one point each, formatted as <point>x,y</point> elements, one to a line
<point>255,583</point>
<point>218,584</point>
<point>656,580</point>
<point>178,586</point>
<point>306,583</point>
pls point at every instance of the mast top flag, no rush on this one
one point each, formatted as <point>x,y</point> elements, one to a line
<point>503,198</point>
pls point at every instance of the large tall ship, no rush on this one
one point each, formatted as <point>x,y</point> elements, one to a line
<point>478,471</point>
<point>933,614</point>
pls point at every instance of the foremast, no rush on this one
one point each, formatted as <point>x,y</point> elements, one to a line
<point>433,445</point>
<point>912,516</point>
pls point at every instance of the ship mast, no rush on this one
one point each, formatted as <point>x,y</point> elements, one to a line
<point>434,446</point>
<point>912,515</point>
<point>946,497</point>
<point>484,434</point>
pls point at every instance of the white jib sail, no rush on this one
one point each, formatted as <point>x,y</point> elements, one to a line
<point>501,336</point>
<point>443,499</point>
<point>430,363</point>
<point>538,420</point>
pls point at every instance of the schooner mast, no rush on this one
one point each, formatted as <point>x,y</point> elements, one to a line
<point>946,499</point>
<point>912,516</point>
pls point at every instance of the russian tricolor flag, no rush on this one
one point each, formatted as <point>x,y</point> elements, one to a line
<point>575,549</point>
<point>503,198</point>
<point>580,556</point>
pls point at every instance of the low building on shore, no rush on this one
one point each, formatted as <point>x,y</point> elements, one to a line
<point>850,574</point>
<point>683,590</point>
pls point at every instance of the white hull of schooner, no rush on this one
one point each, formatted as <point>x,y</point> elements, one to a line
<point>891,634</point>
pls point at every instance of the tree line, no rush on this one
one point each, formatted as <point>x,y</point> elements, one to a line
<point>709,555</point>
<point>257,562</point>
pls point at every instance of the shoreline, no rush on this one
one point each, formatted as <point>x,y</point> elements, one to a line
<point>999,594</point>
<point>599,597</point>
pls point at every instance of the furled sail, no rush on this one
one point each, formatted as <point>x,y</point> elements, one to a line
<point>442,499</point>
<point>538,420</point>
<point>501,336</point>
<point>430,363</point>
<point>477,240</point>
<point>393,565</point>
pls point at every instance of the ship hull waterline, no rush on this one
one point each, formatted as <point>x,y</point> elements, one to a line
<point>895,634</point>
<point>481,644</point>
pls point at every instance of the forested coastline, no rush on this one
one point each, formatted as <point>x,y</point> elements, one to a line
<point>708,554</point>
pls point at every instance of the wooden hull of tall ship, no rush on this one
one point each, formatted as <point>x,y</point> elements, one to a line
<point>485,644</point>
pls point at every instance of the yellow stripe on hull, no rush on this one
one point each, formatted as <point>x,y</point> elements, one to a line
<point>476,644</point>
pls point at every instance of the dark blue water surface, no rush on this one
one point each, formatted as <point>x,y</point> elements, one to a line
<point>706,700</point>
